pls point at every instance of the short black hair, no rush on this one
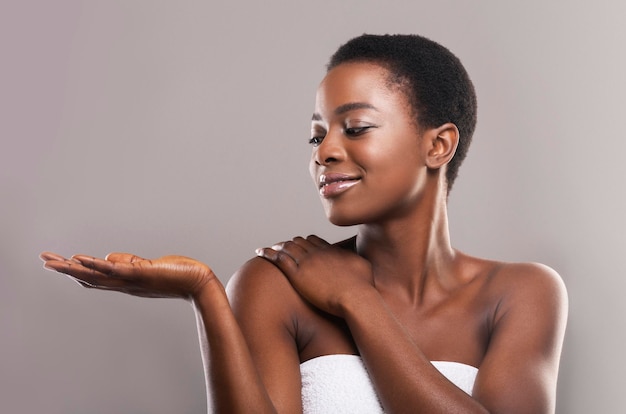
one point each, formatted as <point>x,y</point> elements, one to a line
<point>433,79</point>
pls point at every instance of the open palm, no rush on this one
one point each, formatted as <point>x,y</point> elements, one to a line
<point>167,276</point>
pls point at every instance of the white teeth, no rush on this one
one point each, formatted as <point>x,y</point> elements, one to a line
<point>325,183</point>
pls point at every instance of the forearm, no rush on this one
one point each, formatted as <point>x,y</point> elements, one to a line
<point>404,378</point>
<point>233,382</point>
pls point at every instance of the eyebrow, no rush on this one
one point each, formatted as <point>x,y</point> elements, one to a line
<point>342,109</point>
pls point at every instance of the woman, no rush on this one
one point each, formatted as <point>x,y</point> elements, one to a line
<point>394,318</point>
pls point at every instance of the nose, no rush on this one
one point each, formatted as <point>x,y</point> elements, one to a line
<point>330,150</point>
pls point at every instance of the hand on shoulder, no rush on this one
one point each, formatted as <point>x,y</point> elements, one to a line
<point>324,274</point>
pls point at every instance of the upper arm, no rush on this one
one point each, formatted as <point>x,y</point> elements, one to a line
<point>263,302</point>
<point>520,368</point>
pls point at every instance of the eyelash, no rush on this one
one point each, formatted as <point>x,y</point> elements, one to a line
<point>356,131</point>
<point>352,132</point>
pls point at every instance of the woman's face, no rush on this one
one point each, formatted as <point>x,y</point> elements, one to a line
<point>367,160</point>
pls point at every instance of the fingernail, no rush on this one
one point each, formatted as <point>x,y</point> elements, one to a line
<point>259,251</point>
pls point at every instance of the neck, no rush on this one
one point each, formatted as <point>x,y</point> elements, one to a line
<point>412,254</point>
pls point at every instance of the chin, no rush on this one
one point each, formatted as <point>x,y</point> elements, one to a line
<point>343,220</point>
<point>343,223</point>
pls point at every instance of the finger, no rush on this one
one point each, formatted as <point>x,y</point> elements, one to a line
<point>45,256</point>
<point>81,283</point>
<point>280,259</point>
<point>82,274</point>
<point>303,243</point>
<point>278,246</point>
<point>123,257</point>
<point>296,250</point>
<point>112,285</point>
<point>317,241</point>
<point>61,265</point>
<point>123,269</point>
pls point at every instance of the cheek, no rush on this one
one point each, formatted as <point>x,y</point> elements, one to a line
<point>387,158</point>
<point>397,170</point>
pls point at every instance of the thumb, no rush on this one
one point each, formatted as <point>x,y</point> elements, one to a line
<point>123,257</point>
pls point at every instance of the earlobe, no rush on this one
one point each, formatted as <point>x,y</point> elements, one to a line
<point>443,142</point>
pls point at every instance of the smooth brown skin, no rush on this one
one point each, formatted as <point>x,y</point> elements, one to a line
<point>399,295</point>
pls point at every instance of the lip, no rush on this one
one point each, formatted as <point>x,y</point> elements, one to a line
<point>333,184</point>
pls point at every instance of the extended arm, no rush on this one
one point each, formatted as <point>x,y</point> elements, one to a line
<point>233,381</point>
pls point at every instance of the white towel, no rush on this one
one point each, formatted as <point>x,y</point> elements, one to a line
<point>338,384</point>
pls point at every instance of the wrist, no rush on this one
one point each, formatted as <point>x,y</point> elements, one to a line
<point>210,291</point>
<point>355,301</point>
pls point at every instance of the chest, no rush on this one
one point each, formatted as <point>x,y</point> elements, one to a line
<point>456,329</point>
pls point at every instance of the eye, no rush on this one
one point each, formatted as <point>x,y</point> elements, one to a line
<point>315,141</point>
<point>356,131</point>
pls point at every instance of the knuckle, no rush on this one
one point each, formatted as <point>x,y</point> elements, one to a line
<point>113,270</point>
<point>284,260</point>
<point>281,257</point>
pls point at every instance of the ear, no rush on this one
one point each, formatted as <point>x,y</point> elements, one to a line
<point>441,145</point>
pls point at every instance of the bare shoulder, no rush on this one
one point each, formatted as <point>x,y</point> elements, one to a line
<point>502,282</point>
<point>530,282</point>
<point>255,274</point>
<point>259,285</point>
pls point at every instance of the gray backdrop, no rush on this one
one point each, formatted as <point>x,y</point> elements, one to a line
<point>180,127</point>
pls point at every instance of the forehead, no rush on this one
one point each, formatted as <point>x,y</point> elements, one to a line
<point>358,82</point>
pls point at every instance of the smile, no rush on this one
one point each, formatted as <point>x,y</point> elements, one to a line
<point>331,185</point>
